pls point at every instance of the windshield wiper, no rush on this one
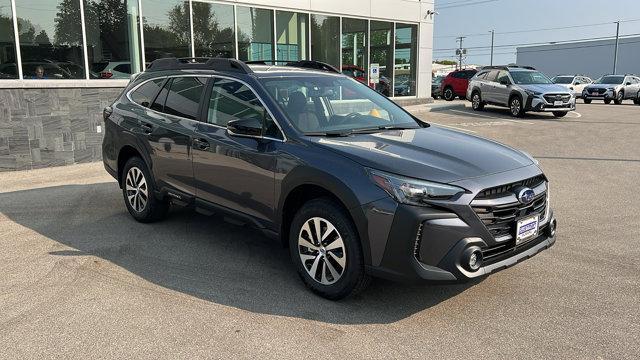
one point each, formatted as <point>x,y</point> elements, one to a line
<point>330,133</point>
<point>382,127</point>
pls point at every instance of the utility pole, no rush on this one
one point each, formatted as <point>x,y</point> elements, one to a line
<point>460,51</point>
<point>615,53</point>
<point>493,32</point>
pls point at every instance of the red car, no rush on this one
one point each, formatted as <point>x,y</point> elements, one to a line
<point>355,72</point>
<point>456,83</point>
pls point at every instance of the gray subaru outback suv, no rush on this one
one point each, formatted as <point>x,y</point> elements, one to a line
<point>521,89</point>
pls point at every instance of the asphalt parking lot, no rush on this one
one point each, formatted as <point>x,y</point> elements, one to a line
<point>81,279</point>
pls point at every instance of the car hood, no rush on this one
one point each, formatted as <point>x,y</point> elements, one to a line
<point>432,153</point>
<point>545,88</point>
<point>601,86</point>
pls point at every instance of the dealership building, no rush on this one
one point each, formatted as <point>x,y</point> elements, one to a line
<point>63,61</point>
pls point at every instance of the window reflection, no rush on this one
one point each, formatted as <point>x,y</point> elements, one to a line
<point>292,33</point>
<point>213,32</point>
<point>354,49</point>
<point>167,30</point>
<point>50,39</point>
<point>325,39</point>
<point>255,34</point>
<point>112,38</point>
<point>382,54</point>
<point>405,60</point>
<point>8,68</point>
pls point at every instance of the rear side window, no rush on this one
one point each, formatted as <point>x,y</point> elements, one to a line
<point>145,94</point>
<point>158,104</point>
<point>184,96</point>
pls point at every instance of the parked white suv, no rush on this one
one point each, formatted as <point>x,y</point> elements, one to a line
<point>575,83</point>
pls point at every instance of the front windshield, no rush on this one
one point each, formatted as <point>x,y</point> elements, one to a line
<point>530,78</point>
<point>563,79</point>
<point>322,105</point>
<point>610,80</point>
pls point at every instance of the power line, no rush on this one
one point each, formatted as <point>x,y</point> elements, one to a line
<point>466,3</point>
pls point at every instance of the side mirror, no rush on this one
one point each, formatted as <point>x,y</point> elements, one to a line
<point>505,82</point>
<point>628,83</point>
<point>245,127</point>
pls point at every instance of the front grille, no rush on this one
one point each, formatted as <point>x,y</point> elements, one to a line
<point>502,190</point>
<point>501,219</point>
<point>550,98</point>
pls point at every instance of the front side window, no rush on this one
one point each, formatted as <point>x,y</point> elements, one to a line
<point>147,92</point>
<point>319,105</point>
<point>530,78</point>
<point>233,100</point>
<point>503,77</point>
<point>184,96</point>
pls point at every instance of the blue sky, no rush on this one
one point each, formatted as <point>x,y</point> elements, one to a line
<point>460,18</point>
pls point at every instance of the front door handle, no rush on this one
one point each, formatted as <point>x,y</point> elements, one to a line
<point>201,144</point>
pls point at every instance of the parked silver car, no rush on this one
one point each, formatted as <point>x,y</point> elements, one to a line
<point>616,88</point>
<point>521,89</point>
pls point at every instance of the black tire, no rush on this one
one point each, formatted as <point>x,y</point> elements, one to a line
<point>462,97</point>
<point>587,101</point>
<point>153,208</point>
<point>448,94</point>
<point>637,100</point>
<point>516,107</point>
<point>607,101</point>
<point>476,101</point>
<point>619,98</point>
<point>560,113</point>
<point>353,278</point>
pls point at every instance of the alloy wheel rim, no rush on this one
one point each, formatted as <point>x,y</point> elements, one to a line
<point>620,96</point>
<point>136,189</point>
<point>476,100</point>
<point>515,106</point>
<point>322,251</point>
<point>448,93</point>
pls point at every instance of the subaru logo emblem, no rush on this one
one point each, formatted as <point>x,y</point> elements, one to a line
<point>526,195</point>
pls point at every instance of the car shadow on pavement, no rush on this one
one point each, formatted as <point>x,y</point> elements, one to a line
<point>203,257</point>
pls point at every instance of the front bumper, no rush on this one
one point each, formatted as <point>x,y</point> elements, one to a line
<point>607,95</point>
<point>539,104</point>
<point>432,243</point>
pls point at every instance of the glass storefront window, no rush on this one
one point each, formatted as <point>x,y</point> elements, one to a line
<point>292,34</point>
<point>255,34</point>
<point>405,60</point>
<point>50,35</point>
<point>167,29</point>
<point>355,62</point>
<point>113,38</point>
<point>8,67</point>
<point>213,31</point>
<point>382,54</point>
<point>325,39</point>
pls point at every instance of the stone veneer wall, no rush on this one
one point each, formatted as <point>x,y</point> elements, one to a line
<point>51,127</point>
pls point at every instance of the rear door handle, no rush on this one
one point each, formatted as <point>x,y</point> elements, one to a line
<point>201,144</point>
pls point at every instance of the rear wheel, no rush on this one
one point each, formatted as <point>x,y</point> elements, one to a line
<point>326,250</point>
<point>637,99</point>
<point>619,98</point>
<point>476,101</point>
<point>448,94</point>
<point>139,194</point>
<point>587,101</point>
<point>559,113</point>
<point>516,107</point>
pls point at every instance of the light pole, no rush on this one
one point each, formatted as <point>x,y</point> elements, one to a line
<point>615,53</point>
<point>460,51</point>
<point>492,35</point>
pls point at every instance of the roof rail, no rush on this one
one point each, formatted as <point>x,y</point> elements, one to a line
<point>507,67</point>
<point>200,63</point>
<point>306,64</point>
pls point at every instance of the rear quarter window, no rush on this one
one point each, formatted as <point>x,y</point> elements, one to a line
<point>146,93</point>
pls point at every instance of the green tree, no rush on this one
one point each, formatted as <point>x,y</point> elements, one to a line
<point>42,38</point>
<point>68,30</point>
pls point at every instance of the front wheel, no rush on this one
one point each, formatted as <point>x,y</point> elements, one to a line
<point>587,101</point>
<point>607,101</point>
<point>559,113</point>
<point>476,102</point>
<point>448,94</point>
<point>326,250</point>
<point>516,107</point>
<point>618,100</point>
<point>138,193</point>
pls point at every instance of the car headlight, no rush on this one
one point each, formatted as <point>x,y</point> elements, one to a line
<point>413,191</point>
<point>611,89</point>
<point>533,93</point>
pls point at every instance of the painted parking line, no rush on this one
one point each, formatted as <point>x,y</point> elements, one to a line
<point>574,114</point>
<point>492,117</point>
<point>453,127</point>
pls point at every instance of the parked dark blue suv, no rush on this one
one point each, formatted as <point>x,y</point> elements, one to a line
<point>354,185</point>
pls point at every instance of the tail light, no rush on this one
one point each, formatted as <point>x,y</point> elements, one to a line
<point>106,74</point>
